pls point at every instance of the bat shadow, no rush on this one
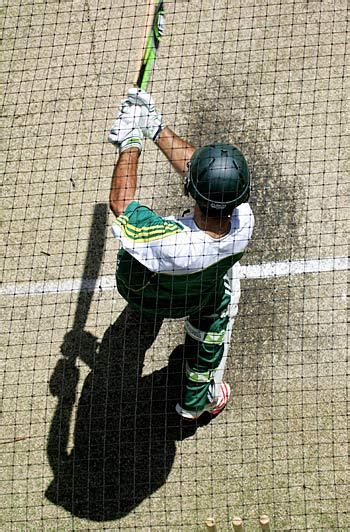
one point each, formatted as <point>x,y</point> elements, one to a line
<point>125,426</point>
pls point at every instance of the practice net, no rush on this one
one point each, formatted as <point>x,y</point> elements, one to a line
<point>89,436</point>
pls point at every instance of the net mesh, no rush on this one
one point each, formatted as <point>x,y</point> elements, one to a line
<point>88,438</point>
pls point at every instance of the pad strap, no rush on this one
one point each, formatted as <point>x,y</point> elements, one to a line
<point>212,338</point>
<point>199,376</point>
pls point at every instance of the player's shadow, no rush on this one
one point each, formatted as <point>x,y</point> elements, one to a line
<point>125,428</point>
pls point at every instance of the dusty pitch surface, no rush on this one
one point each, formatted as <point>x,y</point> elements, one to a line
<point>88,438</point>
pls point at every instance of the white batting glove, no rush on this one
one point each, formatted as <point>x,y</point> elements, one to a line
<point>126,132</point>
<point>150,122</point>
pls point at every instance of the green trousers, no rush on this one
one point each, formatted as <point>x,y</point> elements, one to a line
<point>208,332</point>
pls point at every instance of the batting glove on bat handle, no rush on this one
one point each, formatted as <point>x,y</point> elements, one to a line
<point>151,121</point>
<point>126,132</point>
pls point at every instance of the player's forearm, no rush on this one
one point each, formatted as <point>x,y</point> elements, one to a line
<point>176,149</point>
<point>124,181</point>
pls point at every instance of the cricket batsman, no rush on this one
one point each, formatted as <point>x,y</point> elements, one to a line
<point>183,267</point>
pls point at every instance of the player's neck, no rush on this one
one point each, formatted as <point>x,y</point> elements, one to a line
<point>214,227</point>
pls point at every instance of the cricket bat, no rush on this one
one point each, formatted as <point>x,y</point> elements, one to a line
<point>153,32</point>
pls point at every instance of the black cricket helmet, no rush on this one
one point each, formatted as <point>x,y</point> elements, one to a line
<point>218,179</point>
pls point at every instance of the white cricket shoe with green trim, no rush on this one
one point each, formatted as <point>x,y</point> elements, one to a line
<point>214,408</point>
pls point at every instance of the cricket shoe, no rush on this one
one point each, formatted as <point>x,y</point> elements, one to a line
<point>214,408</point>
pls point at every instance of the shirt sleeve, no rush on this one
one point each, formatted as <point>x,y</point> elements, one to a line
<point>141,225</point>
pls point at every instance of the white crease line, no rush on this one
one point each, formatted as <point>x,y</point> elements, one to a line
<point>294,267</point>
<point>107,282</point>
